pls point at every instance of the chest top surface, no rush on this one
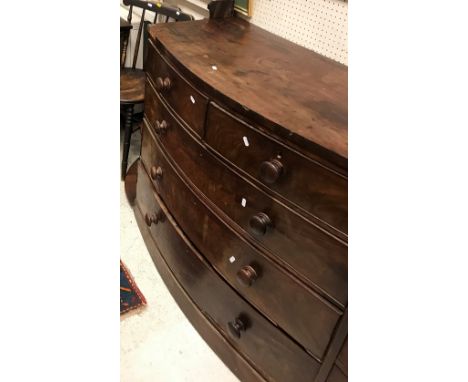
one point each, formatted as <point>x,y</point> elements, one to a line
<point>298,94</point>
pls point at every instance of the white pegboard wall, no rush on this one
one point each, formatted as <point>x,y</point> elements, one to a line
<point>319,25</point>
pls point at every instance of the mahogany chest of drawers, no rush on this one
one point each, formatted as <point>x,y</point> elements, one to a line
<point>241,195</point>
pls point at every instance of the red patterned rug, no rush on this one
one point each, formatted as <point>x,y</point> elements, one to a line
<point>130,295</point>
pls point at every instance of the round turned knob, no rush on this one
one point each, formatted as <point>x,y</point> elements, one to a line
<point>271,170</point>
<point>153,218</point>
<point>259,223</point>
<point>236,327</point>
<point>163,84</point>
<point>161,127</point>
<point>247,275</point>
<point>156,172</point>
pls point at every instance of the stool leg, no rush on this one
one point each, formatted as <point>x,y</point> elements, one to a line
<point>127,136</point>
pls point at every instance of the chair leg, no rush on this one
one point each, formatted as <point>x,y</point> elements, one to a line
<point>127,136</point>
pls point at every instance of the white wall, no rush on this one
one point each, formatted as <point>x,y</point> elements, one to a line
<point>319,25</point>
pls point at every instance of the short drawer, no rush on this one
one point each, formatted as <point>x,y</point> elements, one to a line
<point>187,102</point>
<point>299,311</point>
<point>276,356</point>
<point>309,185</point>
<point>315,255</point>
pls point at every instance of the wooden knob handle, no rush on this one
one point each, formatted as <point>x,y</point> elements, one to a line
<point>163,84</point>
<point>247,275</point>
<point>259,223</point>
<point>236,327</point>
<point>271,170</point>
<point>153,218</point>
<point>161,127</point>
<point>156,172</point>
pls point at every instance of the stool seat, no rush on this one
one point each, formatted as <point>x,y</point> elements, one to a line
<point>132,86</point>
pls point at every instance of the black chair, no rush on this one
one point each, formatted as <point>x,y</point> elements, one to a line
<point>125,28</point>
<point>132,80</point>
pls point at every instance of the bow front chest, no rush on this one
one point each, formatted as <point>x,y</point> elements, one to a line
<point>241,195</point>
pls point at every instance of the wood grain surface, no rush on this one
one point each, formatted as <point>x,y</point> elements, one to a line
<point>305,316</point>
<point>311,186</point>
<point>189,104</point>
<point>243,369</point>
<point>243,188</point>
<point>292,91</point>
<point>311,252</point>
<point>260,341</point>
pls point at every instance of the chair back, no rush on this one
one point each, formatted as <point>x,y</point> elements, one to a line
<point>158,12</point>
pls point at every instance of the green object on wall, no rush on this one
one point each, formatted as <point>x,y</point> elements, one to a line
<point>243,6</point>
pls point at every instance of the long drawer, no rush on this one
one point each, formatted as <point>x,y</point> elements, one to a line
<point>279,358</point>
<point>314,254</point>
<point>189,104</point>
<point>309,185</point>
<point>299,311</point>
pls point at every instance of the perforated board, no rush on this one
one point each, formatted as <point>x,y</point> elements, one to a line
<point>319,25</point>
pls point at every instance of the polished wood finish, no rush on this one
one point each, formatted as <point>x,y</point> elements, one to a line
<point>189,103</point>
<point>307,317</point>
<point>259,223</point>
<point>317,256</point>
<point>242,185</point>
<point>248,274</point>
<point>282,169</point>
<point>289,90</point>
<point>205,327</point>
<point>271,170</point>
<point>132,86</point>
<point>242,326</point>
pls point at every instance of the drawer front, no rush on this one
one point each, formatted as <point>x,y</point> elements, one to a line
<point>187,102</point>
<point>272,352</point>
<point>310,186</point>
<point>299,311</point>
<point>314,254</point>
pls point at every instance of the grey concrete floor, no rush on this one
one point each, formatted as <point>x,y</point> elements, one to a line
<point>157,342</point>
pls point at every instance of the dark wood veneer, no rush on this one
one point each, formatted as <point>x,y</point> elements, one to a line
<point>259,341</point>
<point>292,91</point>
<point>308,318</point>
<point>313,253</point>
<point>242,186</point>
<point>189,103</point>
<point>205,327</point>
<point>324,194</point>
